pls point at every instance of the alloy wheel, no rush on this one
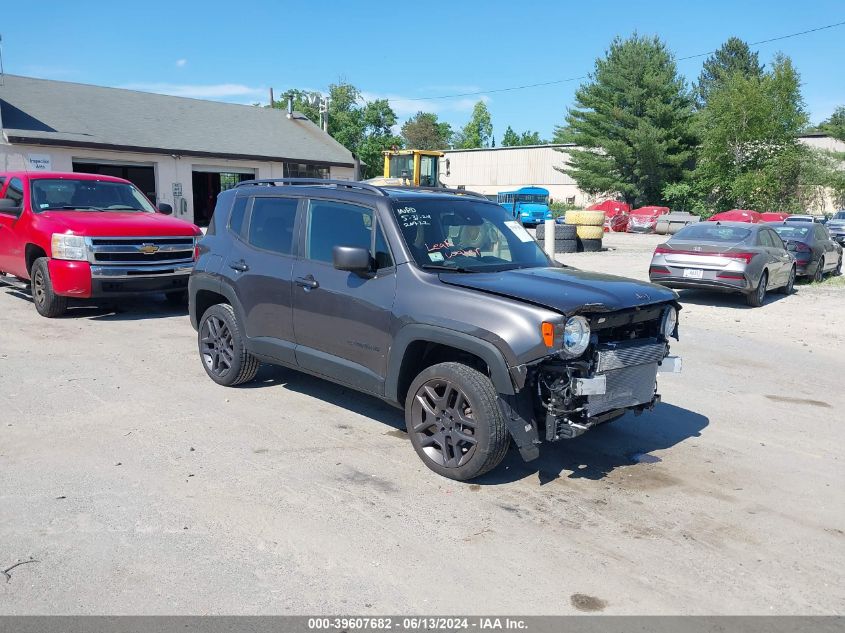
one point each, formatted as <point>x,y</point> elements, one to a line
<point>444,423</point>
<point>790,285</point>
<point>217,346</point>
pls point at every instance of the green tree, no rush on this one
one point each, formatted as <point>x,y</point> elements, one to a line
<point>733,57</point>
<point>750,156</point>
<point>361,127</point>
<point>424,131</point>
<point>478,131</point>
<point>512,139</point>
<point>835,125</point>
<point>631,123</point>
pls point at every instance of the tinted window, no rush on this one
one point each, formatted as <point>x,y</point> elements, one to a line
<point>2,180</point>
<point>15,191</point>
<point>792,231</point>
<point>713,232</point>
<point>776,241</point>
<point>821,233</point>
<point>337,224</point>
<point>271,224</point>
<point>236,218</point>
<point>765,239</point>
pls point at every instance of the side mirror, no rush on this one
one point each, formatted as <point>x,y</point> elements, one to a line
<point>10,207</point>
<point>352,258</point>
<point>165,208</point>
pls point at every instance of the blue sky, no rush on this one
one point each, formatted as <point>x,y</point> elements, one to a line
<point>407,52</point>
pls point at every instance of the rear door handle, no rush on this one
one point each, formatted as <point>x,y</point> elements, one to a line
<point>240,266</point>
<point>308,282</point>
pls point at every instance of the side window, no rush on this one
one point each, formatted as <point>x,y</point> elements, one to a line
<point>764,239</point>
<point>383,257</point>
<point>2,180</point>
<point>778,243</point>
<point>15,191</point>
<point>271,224</point>
<point>333,224</point>
<point>236,218</point>
<point>821,233</point>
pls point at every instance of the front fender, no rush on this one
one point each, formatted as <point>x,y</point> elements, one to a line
<point>489,353</point>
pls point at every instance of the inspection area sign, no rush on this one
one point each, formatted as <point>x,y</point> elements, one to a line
<point>40,162</point>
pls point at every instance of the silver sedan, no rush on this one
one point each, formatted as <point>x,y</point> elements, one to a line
<point>749,259</point>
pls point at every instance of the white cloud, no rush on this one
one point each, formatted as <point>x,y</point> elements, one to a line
<point>409,106</point>
<point>201,91</point>
<point>181,63</point>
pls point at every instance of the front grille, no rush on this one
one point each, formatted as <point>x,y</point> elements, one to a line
<point>626,387</point>
<point>137,251</point>
<point>635,324</point>
<point>617,358</point>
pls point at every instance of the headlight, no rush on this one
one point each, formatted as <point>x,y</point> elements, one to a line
<point>669,322</point>
<point>576,336</point>
<point>68,247</point>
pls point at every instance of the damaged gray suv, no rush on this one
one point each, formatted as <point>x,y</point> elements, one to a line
<point>435,301</point>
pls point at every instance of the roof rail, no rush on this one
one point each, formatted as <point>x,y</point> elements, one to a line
<point>444,190</point>
<point>315,182</point>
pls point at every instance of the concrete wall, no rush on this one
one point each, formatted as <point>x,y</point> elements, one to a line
<point>823,201</point>
<point>168,169</point>
<point>490,171</point>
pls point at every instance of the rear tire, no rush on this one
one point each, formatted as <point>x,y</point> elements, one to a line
<point>756,298</point>
<point>47,302</point>
<point>838,270</point>
<point>818,277</point>
<point>222,347</point>
<point>789,288</point>
<point>454,422</point>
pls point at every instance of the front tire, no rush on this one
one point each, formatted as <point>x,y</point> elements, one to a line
<point>47,302</point>
<point>222,347</point>
<point>453,419</point>
<point>758,296</point>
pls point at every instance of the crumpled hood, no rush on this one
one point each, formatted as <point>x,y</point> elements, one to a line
<point>113,223</point>
<point>565,290</point>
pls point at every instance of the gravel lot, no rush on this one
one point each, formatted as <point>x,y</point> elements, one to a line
<point>141,487</point>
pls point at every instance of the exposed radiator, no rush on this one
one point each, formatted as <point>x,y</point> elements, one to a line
<point>609,359</point>
<point>626,387</point>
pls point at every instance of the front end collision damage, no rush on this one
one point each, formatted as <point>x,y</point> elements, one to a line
<point>563,398</point>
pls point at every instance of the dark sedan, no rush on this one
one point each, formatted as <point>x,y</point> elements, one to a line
<point>836,226</point>
<point>816,253</point>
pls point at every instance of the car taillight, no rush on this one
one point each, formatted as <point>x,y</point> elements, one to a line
<point>801,247</point>
<point>730,276</point>
<point>659,270</point>
<point>196,251</point>
<point>740,257</point>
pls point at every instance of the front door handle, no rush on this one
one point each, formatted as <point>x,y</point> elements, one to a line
<point>240,266</point>
<point>308,282</point>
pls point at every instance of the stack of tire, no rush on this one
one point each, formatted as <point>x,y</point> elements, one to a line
<point>566,240</point>
<point>589,229</point>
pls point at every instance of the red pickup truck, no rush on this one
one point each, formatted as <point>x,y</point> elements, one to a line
<point>90,236</point>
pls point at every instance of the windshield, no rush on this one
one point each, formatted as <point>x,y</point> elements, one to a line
<point>466,236</point>
<point>792,232</point>
<point>712,232</point>
<point>87,195</point>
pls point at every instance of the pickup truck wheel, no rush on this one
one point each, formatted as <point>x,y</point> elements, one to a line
<point>221,345</point>
<point>454,422</point>
<point>47,302</point>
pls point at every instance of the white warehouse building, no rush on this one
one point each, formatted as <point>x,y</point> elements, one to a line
<point>176,150</point>
<point>499,169</point>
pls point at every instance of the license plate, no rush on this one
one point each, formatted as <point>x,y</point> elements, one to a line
<point>693,273</point>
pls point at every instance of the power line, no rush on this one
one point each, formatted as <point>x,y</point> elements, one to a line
<point>569,79</point>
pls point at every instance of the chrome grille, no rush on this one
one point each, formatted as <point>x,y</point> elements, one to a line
<point>137,251</point>
<point>626,387</point>
<point>610,359</point>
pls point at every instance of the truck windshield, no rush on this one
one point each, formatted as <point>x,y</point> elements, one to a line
<point>86,195</point>
<point>466,236</point>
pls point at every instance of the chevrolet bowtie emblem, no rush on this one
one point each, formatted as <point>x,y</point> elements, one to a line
<point>148,249</point>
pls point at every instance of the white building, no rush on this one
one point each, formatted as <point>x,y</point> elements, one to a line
<point>491,171</point>
<point>176,150</point>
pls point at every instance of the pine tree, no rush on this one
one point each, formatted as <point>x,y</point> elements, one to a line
<point>631,123</point>
<point>733,57</point>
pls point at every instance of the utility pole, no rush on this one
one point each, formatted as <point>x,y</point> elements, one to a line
<point>324,114</point>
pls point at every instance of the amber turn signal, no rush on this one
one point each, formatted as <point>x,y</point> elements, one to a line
<point>548,331</point>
